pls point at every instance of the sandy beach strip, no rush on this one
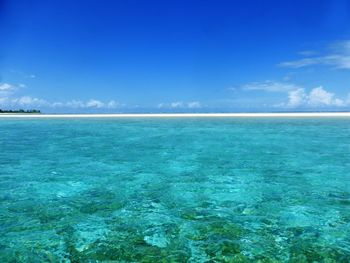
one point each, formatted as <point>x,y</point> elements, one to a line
<point>181,115</point>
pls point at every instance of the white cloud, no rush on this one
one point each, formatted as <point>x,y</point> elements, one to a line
<point>57,104</point>
<point>320,97</point>
<point>74,104</point>
<point>180,105</point>
<point>6,87</point>
<point>301,63</point>
<point>296,98</point>
<point>113,104</point>
<point>270,86</point>
<point>337,57</point>
<point>194,105</point>
<point>161,105</point>
<point>24,101</point>
<point>29,101</point>
<point>176,104</point>
<point>8,99</point>
<point>94,104</point>
<point>337,61</point>
<point>317,97</point>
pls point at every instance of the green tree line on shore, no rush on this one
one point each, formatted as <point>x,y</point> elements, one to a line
<point>20,111</point>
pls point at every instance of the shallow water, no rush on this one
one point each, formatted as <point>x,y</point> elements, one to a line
<point>175,190</point>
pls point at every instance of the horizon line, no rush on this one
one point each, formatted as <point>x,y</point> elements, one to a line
<point>177,115</point>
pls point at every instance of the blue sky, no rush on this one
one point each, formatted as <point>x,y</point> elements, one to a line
<point>175,56</point>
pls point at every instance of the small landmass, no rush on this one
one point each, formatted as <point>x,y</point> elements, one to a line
<point>20,111</point>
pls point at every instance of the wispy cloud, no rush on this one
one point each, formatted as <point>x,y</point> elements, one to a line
<point>23,101</point>
<point>112,104</point>
<point>338,56</point>
<point>270,86</point>
<point>92,103</point>
<point>23,74</point>
<point>8,98</point>
<point>180,105</point>
<point>194,105</point>
<point>307,53</point>
<point>176,104</point>
<point>29,101</point>
<point>71,104</point>
<point>6,87</point>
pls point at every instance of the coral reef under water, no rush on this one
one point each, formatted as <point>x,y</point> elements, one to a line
<point>175,190</point>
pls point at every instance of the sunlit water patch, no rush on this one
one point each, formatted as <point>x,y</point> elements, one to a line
<point>175,190</point>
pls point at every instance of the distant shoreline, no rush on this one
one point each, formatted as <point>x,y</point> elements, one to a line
<point>179,115</point>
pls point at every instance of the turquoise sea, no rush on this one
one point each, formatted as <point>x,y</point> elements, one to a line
<point>175,190</point>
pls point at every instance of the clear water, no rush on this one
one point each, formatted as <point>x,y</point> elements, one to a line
<point>175,190</point>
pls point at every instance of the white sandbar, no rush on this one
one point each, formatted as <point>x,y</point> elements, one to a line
<point>180,115</point>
